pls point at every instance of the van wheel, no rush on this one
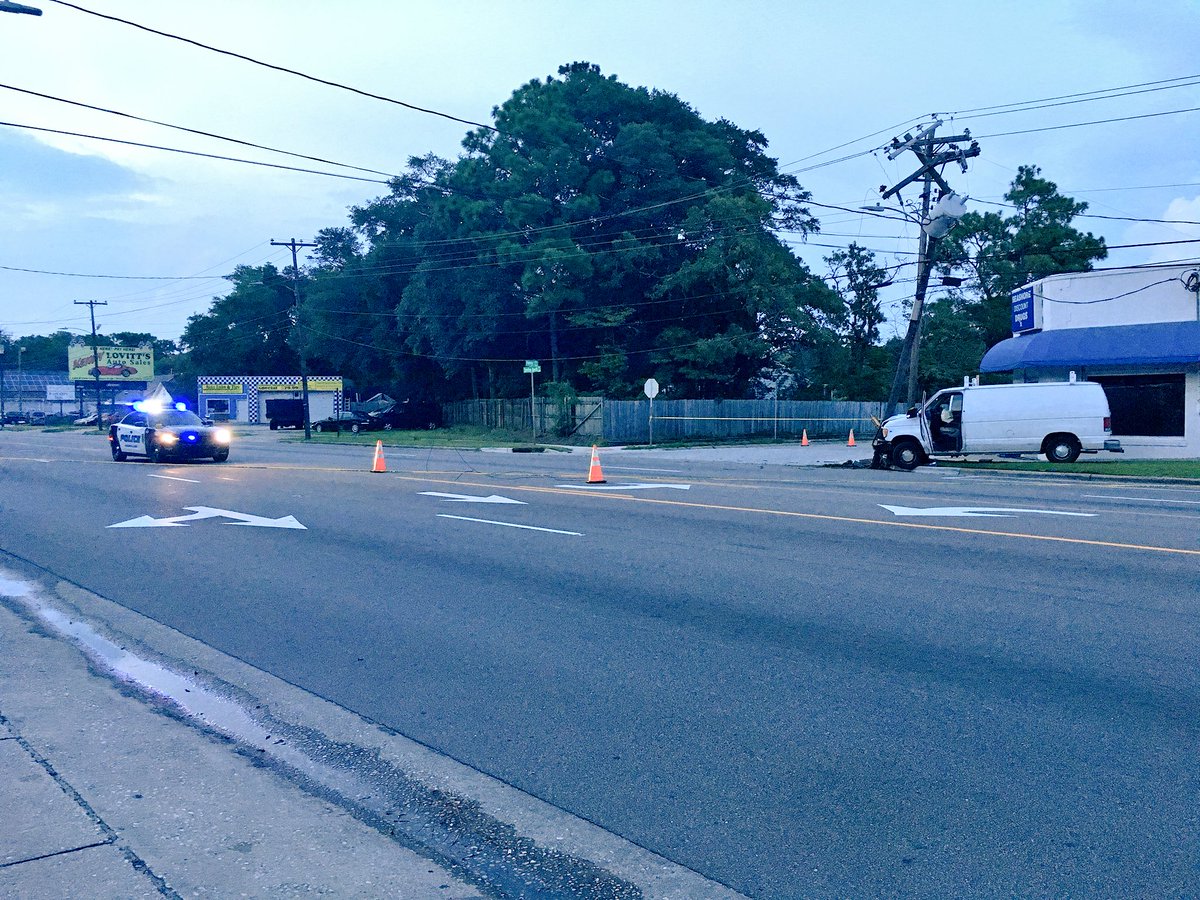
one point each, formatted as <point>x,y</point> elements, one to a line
<point>1061,448</point>
<point>354,429</point>
<point>907,454</point>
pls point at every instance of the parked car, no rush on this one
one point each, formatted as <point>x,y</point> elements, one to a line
<point>411,414</point>
<point>90,419</point>
<point>344,421</point>
<point>12,418</point>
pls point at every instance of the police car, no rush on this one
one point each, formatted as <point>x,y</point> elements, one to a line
<point>164,434</point>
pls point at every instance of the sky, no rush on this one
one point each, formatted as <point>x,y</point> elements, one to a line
<point>821,81</point>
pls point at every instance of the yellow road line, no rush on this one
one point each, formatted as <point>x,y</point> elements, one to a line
<point>957,529</point>
<point>608,495</point>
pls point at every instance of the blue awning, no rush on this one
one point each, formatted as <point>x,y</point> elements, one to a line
<point>1156,344</point>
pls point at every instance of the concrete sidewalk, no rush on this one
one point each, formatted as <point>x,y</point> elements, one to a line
<point>136,761</point>
<point>817,453</point>
<point>105,797</point>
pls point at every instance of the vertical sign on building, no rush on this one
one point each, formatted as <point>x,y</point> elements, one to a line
<point>1026,310</point>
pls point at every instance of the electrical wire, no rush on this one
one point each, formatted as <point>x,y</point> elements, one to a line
<point>276,68</point>
<point>248,162</point>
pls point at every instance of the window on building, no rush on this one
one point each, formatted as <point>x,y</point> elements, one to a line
<point>1145,405</point>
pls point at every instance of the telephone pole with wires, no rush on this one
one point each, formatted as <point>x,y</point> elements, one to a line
<point>936,220</point>
<point>296,245</point>
<point>91,305</point>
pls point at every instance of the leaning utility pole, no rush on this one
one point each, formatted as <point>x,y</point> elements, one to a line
<point>929,150</point>
<point>295,245</point>
<point>91,305</point>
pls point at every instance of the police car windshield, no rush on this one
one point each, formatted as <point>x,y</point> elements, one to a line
<point>174,418</point>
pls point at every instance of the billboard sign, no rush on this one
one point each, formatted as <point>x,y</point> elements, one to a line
<point>112,364</point>
<point>1026,310</point>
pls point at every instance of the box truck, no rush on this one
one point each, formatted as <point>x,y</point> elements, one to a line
<point>285,413</point>
<point>1059,419</point>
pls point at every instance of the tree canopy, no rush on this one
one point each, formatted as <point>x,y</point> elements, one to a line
<point>607,230</point>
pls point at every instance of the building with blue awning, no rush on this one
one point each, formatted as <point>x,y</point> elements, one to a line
<point>1136,331</point>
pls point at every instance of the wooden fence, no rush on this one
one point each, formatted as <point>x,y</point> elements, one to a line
<point>554,419</point>
<point>628,421</point>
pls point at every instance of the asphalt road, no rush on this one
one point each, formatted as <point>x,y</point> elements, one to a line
<point>768,676</point>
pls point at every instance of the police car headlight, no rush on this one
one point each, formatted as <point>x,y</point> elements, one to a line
<point>883,432</point>
<point>167,438</point>
<point>222,435</point>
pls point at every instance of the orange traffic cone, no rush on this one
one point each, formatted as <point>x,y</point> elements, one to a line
<point>595,476</point>
<point>803,437</point>
<point>850,443</point>
<point>379,465</point>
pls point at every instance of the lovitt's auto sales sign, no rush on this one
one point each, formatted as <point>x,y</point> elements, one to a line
<point>110,363</point>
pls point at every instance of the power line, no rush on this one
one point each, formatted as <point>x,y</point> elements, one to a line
<point>1083,96</point>
<point>1170,112</point>
<point>196,131</point>
<point>248,162</point>
<point>276,68</point>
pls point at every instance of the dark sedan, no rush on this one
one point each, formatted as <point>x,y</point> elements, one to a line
<point>409,415</point>
<point>344,421</point>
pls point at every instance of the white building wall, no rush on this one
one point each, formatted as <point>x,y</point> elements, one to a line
<point>1127,297</point>
<point>1116,297</point>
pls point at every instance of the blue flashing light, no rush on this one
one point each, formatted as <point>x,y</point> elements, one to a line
<point>181,405</point>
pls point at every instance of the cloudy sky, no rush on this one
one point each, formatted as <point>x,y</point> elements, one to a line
<point>822,81</point>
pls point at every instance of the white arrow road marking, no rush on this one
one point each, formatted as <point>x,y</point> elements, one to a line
<point>981,512</point>
<point>468,498</point>
<point>510,525</point>
<point>173,478</point>
<point>208,512</point>
<point>624,487</point>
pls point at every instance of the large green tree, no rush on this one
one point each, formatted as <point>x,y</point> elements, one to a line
<point>609,231</point>
<point>1001,253</point>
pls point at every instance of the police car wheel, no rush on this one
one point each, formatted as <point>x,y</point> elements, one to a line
<point>152,453</point>
<point>221,456</point>
<point>117,455</point>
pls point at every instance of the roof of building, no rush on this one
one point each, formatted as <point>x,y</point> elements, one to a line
<point>1155,344</point>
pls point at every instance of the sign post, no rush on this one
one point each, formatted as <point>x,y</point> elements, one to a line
<point>651,389</point>
<point>532,367</point>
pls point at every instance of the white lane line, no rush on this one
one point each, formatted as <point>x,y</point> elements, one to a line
<point>471,498</point>
<point>173,478</point>
<point>643,469</point>
<point>1141,499</point>
<point>510,525</point>
<point>636,486</point>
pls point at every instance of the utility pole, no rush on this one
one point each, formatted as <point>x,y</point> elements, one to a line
<point>296,245</point>
<point>934,153</point>
<point>91,305</point>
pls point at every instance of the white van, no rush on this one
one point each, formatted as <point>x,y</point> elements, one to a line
<point>1058,418</point>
